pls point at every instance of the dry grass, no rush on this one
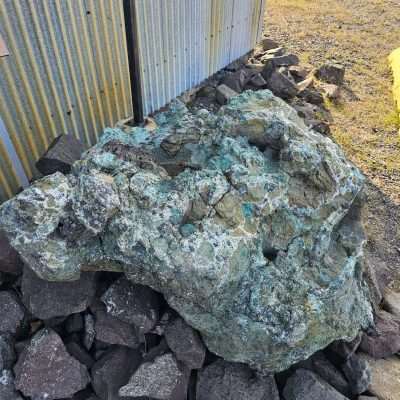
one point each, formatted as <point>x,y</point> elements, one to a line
<point>359,34</point>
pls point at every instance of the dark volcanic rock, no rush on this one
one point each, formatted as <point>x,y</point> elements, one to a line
<point>44,368</point>
<point>74,323</point>
<point>384,340</point>
<point>11,312</point>
<point>113,370</point>
<point>7,354</point>
<point>186,343</point>
<point>358,374</point>
<point>10,262</point>
<point>224,380</point>
<point>161,379</point>
<point>268,44</point>
<point>321,365</point>
<point>236,81</point>
<point>112,330</point>
<point>306,385</point>
<point>281,85</point>
<point>54,299</point>
<point>7,387</point>
<point>79,353</point>
<point>62,153</point>
<point>89,333</point>
<point>344,350</point>
<point>331,73</point>
<point>134,304</point>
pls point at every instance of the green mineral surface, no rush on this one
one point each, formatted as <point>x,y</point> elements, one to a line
<point>246,220</point>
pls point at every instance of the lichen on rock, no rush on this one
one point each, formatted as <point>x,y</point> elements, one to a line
<point>246,221</point>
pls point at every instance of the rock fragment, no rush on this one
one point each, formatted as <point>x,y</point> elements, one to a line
<point>268,44</point>
<point>331,73</point>
<point>113,370</point>
<point>10,262</point>
<point>384,340</point>
<point>160,379</point>
<point>112,330</point>
<point>11,311</point>
<point>357,373</point>
<point>7,354</point>
<point>62,153</point>
<point>45,368</point>
<point>236,81</point>
<point>281,86</point>
<point>89,331</point>
<point>306,385</point>
<point>331,91</point>
<point>224,94</point>
<point>186,343</point>
<point>46,299</point>
<point>277,61</point>
<point>344,349</point>
<point>134,304</point>
<point>7,387</point>
<point>223,380</point>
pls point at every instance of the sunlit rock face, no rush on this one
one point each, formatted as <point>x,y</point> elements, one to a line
<point>245,220</point>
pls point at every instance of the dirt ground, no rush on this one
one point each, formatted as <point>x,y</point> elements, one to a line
<point>360,34</point>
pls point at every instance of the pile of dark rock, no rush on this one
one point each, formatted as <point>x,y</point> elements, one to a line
<point>270,67</point>
<point>103,337</point>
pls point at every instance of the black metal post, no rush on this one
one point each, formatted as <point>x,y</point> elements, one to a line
<point>134,59</point>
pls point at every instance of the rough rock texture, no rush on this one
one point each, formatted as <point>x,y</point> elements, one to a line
<point>357,373</point>
<point>133,304</point>
<point>241,219</point>
<point>305,385</point>
<point>46,369</point>
<point>113,370</point>
<point>158,379</point>
<point>186,344</point>
<point>11,312</point>
<point>222,380</point>
<point>10,261</point>
<point>7,354</point>
<point>7,388</point>
<point>55,299</point>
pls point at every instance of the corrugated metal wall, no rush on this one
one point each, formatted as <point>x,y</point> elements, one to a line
<point>183,42</point>
<point>67,72</point>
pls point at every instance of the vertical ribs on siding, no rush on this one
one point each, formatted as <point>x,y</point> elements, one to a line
<point>183,42</point>
<point>67,72</point>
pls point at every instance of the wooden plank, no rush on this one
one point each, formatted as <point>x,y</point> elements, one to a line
<point>3,48</point>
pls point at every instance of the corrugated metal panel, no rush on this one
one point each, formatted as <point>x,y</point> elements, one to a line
<point>183,42</point>
<point>67,72</point>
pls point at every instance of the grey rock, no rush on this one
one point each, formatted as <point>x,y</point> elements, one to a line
<point>345,349</point>
<point>10,262</point>
<point>306,385</point>
<point>236,81</point>
<point>222,381</point>
<point>367,398</point>
<point>257,81</point>
<point>60,156</point>
<point>46,299</point>
<point>113,370</point>
<point>7,387</point>
<point>358,374</point>
<point>268,44</point>
<point>186,343</point>
<point>112,330</point>
<point>11,311</point>
<point>89,331</point>
<point>224,94</point>
<point>277,61</point>
<point>384,340</point>
<point>7,353</point>
<point>268,268</point>
<point>277,51</point>
<point>331,91</point>
<point>322,127</point>
<point>321,365</point>
<point>281,85</point>
<point>44,368</point>
<point>79,353</point>
<point>159,379</point>
<point>311,95</point>
<point>331,73</point>
<point>299,73</point>
<point>135,304</point>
